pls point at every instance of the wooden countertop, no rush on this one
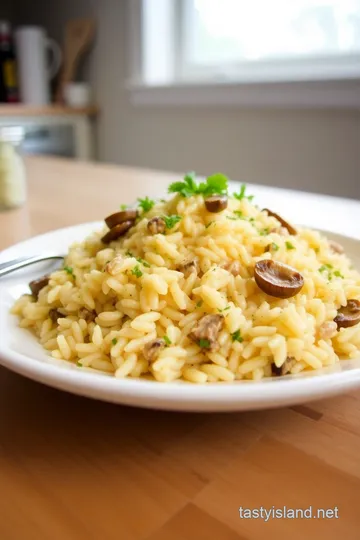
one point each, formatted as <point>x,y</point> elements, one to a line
<point>76,469</point>
<point>18,110</point>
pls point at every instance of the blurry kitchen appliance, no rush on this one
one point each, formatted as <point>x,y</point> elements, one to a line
<point>79,34</point>
<point>34,70</point>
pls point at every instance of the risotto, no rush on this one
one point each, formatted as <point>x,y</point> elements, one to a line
<point>203,287</point>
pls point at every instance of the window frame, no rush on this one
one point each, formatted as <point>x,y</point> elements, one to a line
<point>170,81</point>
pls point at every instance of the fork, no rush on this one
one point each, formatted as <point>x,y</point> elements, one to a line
<point>16,264</point>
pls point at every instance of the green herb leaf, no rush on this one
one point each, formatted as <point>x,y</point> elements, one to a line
<point>236,336</point>
<point>225,309</point>
<point>208,225</point>
<point>239,214</point>
<point>215,184</point>
<point>146,204</point>
<point>123,206</point>
<point>79,364</point>
<point>325,267</point>
<point>199,303</point>
<point>114,341</point>
<point>167,340</point>
<point>241,195</point>
<point>264,232</point>
<point>171,221</point>
<point>204,343</point>
<point>69,270</point>
<point>274,247</point>
<point>233,218</point>
<point>337,273</point>
<point>289,245</point>
<point>136,271</point>
<point>129,254</point>
<point>144,263</point>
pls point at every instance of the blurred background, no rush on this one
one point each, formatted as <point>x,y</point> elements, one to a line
<point>266,92</point>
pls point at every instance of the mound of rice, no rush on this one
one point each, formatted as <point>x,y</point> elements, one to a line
<point>112,300</point>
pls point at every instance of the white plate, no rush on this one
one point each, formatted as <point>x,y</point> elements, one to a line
<point>20,352</point>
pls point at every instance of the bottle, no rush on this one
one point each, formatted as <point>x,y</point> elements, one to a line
<point>12,168</point>
<point>8,78</point>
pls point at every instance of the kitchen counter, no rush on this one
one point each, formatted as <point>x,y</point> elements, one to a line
<point>76,469</point>
<point>20,110</point>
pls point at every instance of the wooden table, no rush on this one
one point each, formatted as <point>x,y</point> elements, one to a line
<point>76,469</point>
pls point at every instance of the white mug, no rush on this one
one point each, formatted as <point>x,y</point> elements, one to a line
<point>77,94</point>
<point>34,70</point>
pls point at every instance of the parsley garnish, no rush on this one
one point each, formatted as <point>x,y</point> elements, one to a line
<point>233,218</point>
<point>114,341</point>
<point>204,343</point>
<point>146,204</point>
<point>69,270</point>
<point>199,303</point>
<point>225,309</point>
<point>325,267</point>
<point>79,364</point>
<point>145,263</point>
<point>171,221</point>
<point>208,225</point>
<point>239,214</point>
<point>274,246</point>
<point>216,184</point>
<point>129,254</point>
<point>264,232</point>
<point>337,273</point>
<point>236,336</point>
<point>241,195</point>
<point>167,340</point>
<point>136,271</point>
<point>123,206</point>
<point>289,245</point>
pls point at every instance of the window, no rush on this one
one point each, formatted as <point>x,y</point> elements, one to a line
<point>248,42</point>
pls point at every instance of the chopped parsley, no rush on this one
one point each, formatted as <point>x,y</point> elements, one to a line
<point>239,214</point>
<point>274,247</point>
<point>146,204</point>
<point>167,340</point>
<point>129,254</point>
<point>264,232</point>
<point>123,206</point>
<point>236,336</point>
<point>217,184</point>
<point>136,271</point>
<point>199,303</point>
<point>241,195</point>
<point>69,270</point>
<point>289,245</point>
<point>114,341</point>
<point>225,309</point>
<point>325,267</point>
<point>337,273</point>
<point>79,364</point>
<point>171,221</point>
<point>204,343</point>
<point>208,225</point>
<point>233,218</point>
<point>145,263</point>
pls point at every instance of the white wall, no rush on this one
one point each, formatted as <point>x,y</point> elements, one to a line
<point>312,149</point>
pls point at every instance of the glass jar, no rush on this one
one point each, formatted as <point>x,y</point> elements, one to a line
<point>12,168</point>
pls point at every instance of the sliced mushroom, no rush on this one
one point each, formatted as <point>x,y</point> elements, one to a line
<point>278,279</point>
<point>87,314</point>
<point>38,284</point>
<point>54,315</point>
<point>207,330</point>
<point>189,267</point>
<point>284,223</point>
<point>156,225</point>
<point>117,231</point>
<point>216,203</point>
<point>285,368</point>
<point>348,315</point>
<point>119,217</point>
<point>336,248</point>
<point>233,267</point>
<point>152,349</point>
